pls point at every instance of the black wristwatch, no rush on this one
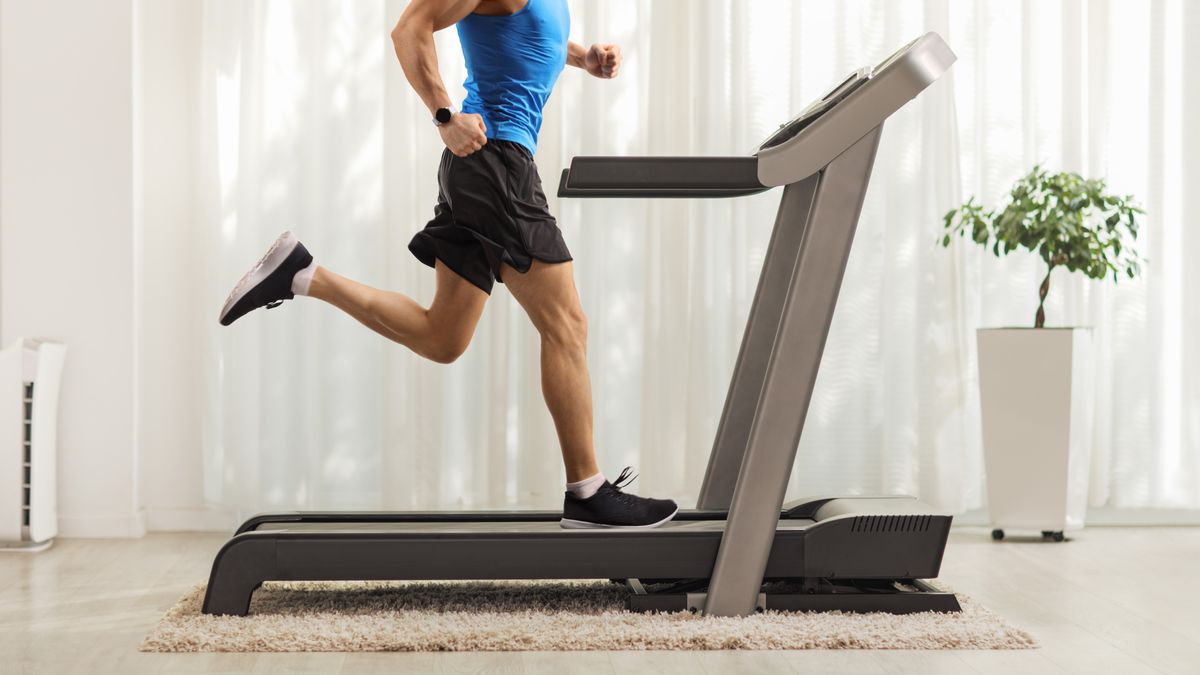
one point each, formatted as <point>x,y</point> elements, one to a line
<point>442,116</point>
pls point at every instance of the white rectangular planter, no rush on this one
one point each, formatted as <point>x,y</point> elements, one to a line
<point>1037,405</point>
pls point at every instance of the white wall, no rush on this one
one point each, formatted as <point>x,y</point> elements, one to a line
<point>68,237</point>
<point>172,315</point>
<point>97,110</point>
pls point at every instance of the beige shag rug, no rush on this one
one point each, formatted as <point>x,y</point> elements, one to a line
<point>539,616</point>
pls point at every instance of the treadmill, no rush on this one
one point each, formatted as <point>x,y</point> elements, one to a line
<point>742,549</point>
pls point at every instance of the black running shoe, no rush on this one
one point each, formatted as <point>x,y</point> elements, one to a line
<point>610,507</point>
<point>269,283</point>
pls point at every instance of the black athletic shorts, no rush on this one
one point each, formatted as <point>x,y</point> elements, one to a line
<point>491,210</point>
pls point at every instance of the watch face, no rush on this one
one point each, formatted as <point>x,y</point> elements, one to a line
<point>443,115</point>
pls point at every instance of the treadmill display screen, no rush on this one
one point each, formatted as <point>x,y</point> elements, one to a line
<point>818,107</point>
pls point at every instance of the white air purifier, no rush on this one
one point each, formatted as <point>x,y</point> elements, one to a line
<point>30,373</point>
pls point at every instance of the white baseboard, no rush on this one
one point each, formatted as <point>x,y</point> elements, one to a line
<point>1113,517</point>
<point>190,520</point>
<point>1106,517</point>
<point>148,520</point>
<point>129,526</point>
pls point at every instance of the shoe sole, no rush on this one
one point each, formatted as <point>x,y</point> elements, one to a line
<point>271,260</point>
<point>569,524</point>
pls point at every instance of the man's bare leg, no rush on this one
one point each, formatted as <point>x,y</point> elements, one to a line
<point>548,295</point>
<point>443,331</point>
<point>440,333</point>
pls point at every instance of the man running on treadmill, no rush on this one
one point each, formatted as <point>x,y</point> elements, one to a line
<point>491,223</point>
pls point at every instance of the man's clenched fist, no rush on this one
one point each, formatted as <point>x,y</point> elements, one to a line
<point>464,133</point>
<point>603,60</point>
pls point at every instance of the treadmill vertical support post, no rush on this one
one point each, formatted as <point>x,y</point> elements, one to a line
<point>826,222</point>
<point>750,369</point>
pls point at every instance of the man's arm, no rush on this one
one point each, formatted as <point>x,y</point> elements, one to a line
<point>413,40</point>
<point>600,60</point>
<point>575,54</point>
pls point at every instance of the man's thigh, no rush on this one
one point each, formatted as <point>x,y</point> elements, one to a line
<point>456,302</point>
<point>546,291</point>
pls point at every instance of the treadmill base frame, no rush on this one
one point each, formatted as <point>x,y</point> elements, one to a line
<point>847,596</point>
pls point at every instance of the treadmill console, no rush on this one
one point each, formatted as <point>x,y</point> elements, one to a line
<point>830,99</point>
<point>818,107</point>
<point>850,110</point>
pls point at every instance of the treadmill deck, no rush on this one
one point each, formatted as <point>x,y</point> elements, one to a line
<point>537,528</point>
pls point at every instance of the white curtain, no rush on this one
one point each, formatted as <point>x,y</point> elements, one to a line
<point>308,124</point>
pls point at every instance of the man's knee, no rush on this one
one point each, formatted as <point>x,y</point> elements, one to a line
<point>446,349</point>
<point>447,341</point>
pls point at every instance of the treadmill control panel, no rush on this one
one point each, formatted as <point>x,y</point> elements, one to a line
<point>818,107</point>
<point>831,98</point>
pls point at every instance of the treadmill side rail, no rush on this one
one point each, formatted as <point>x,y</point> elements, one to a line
<point>257,522</point>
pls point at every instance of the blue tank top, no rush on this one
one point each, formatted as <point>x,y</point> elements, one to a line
<point>512,64</point>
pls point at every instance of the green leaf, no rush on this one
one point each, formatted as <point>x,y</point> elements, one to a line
<point>1063,218</point>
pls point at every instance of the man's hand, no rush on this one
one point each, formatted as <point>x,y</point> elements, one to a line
<point>464,133</point>
<point>603,61</point>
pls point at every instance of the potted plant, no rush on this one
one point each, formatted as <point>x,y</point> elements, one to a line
<point>1035,383</point>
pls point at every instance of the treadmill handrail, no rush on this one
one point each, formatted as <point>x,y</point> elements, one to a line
<point>664,176</point>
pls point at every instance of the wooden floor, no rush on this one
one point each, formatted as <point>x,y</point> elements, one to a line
<point>1112,601</point>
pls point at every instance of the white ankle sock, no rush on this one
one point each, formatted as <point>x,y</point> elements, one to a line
<point>586,487</point>
<point>303,279</point>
